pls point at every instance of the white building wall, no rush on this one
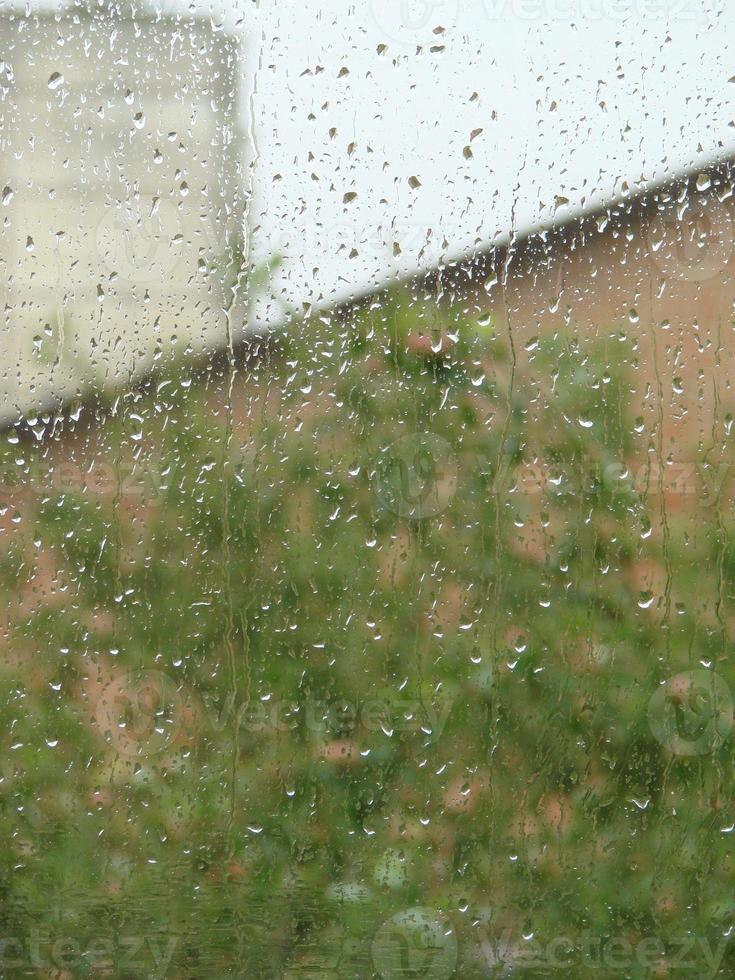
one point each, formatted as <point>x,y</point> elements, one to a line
<point>120,168</point>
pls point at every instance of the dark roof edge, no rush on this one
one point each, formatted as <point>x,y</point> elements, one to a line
<point>454,272</point>
<point>622,208</point>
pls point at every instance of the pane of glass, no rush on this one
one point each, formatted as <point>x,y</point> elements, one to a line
<point>366,492</point>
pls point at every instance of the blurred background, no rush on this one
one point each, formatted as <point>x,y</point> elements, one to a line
<point>366,581</point>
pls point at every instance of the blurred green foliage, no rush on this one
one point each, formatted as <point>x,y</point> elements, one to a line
<point>373,625</point>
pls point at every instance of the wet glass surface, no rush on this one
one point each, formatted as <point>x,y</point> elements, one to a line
<point>366,491</point>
